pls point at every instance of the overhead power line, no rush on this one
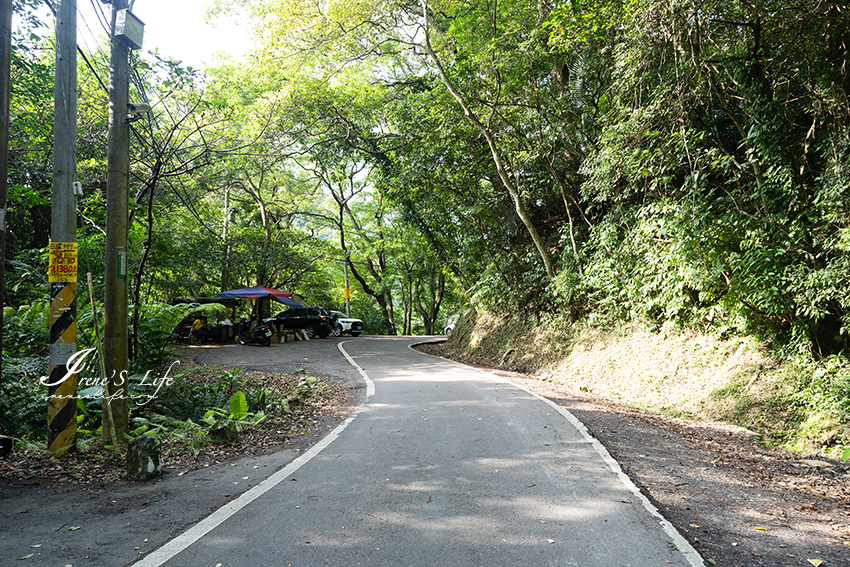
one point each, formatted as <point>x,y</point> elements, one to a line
<point>80,51</point>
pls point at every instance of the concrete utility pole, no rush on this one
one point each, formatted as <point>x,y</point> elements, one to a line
<point>115,340</point>
<point>5,95</point>
<point>62,275</point>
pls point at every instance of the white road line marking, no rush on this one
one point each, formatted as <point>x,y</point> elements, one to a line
<point>688,551</point>
<point>370,386</point>
<point>162,554</point>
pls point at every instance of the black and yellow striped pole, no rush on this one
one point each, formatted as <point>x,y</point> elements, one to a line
<point>62,386</point>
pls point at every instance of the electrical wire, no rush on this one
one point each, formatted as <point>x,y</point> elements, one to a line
<point>105,22</point>
<point>105,26</point>
<point>79,49</point>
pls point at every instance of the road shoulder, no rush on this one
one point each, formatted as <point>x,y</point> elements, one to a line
<point>737,502</point>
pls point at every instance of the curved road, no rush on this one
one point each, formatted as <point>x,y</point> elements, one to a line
<point>443,465</point>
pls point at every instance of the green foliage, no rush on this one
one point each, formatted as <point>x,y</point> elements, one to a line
<point>702,212</point>
<point>306,387</point>
<point>23,412</point>
<point>238,405</point>
<point>585,21</point>
<point>825,390</point>
<point>229,394</point>
<point>183,402</point>
<point>238,412</point>
<point>89,405</point>
<point>26,330</point>
<point>24,409</point>
<point>156,325</point>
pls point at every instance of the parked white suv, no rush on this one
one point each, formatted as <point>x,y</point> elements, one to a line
<point>347,325</point>
<point>450,326</point>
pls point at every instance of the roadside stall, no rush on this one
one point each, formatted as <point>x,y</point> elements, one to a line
<point>216,328</point>
<point>259,294</point>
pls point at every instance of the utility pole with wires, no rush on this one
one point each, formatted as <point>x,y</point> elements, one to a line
<point>5,96</point>
<point>347,291</point>
<point>126,34</point>
<point>62,267</point>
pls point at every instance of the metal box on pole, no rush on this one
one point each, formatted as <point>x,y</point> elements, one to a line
<point>129,28</point>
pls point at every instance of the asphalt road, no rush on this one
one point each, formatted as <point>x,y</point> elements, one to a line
<point>443,465</point>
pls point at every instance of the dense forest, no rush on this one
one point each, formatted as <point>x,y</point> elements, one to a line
<point>677,163</point>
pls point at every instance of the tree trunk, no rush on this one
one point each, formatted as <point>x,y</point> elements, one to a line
<point>434,292</point>
<point>137,278</point>
<point>519,204</point>
<point>562,186</point>
<point>384,299</point>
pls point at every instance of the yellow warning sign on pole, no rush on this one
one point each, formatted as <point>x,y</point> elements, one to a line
<point>62,266</point>
<point>347,293</point>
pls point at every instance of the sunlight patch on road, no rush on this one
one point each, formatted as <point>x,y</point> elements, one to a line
<point>416,375</point>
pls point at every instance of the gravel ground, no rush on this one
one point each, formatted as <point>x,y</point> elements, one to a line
<point>739,503</point>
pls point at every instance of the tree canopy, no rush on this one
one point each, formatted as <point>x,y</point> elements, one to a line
<point>671,162</point>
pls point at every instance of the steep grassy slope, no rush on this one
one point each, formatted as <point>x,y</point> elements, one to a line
<point>801,406</point>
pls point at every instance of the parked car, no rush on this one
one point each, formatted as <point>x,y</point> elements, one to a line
<point>450,326</point>
<point>347,325</point>
<point>315,321</point>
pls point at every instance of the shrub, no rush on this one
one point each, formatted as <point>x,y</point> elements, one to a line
<point>23,412</point>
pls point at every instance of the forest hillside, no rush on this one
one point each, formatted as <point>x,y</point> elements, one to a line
<point>676,171</point>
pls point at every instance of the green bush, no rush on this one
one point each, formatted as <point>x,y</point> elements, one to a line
<point>827,389</point>
<point>23,412</point>
<point>156,325</point>
<point>26,330</point>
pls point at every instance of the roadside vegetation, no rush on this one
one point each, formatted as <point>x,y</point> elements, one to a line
<point>591,174</point>
<point>207,413</point>
<point>195,411</point>
<point>791,402</point>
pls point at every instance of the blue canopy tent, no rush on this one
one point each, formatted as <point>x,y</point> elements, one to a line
<point>259,292</point>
